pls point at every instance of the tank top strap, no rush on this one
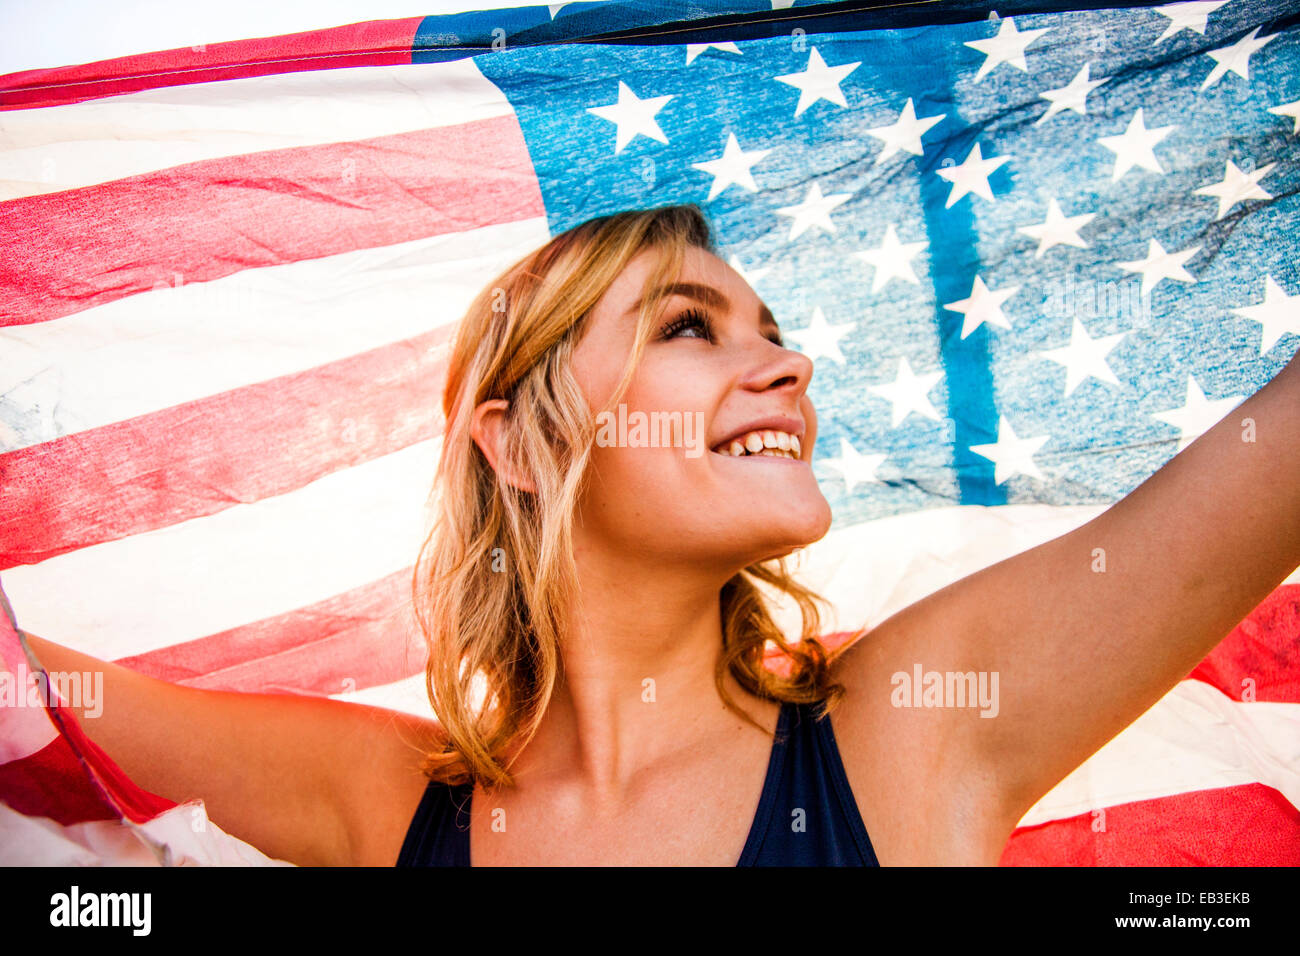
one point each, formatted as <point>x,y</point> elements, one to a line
<point>807,815</point>
<point>439,832</point>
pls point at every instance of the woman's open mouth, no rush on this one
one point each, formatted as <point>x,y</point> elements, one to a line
<point>764,444</point>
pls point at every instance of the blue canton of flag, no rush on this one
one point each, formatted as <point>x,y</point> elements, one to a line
<point>1032,257</point>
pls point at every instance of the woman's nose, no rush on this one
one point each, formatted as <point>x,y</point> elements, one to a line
<point>782,367</point>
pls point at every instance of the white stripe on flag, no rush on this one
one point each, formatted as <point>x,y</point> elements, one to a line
<point>407,695</point>
<point>158,349</point>
<point>81,144</point>
<point>870,571</point>
<point>1194,738</point>
<point>234,567</point>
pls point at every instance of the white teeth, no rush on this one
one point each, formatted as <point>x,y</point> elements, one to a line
<point>763,442</point>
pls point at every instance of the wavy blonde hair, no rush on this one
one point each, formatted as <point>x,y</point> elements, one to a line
<point>496,570</point>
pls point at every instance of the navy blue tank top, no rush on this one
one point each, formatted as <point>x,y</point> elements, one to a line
<point>806,815</point>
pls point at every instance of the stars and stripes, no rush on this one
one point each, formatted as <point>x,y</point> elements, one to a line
<point>1031,258</point>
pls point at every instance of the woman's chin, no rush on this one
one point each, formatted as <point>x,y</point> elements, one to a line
<point>809,518</point>
<point>798,531</point>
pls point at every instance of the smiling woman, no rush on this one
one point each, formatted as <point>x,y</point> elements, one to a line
<point>597,632</point>
<point>597,615</point>
<point>543,356</point>
<point>592,608</point>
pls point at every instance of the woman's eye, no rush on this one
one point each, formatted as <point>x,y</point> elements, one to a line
<point>690,320</point>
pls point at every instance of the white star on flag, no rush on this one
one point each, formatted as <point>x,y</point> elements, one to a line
<point>1084,356</point>
<point>1235,58</point>
<point>904,134</point>
<point>732,167</point>
<point>1134,146</point>
<point>983,305</point>
<point>908,393</point>
<point>891,259</point>
<point>1059,229</point>
<point>820,337</point>
<point>1236,186</point>
<point>1011,455</point>
<point>632,116</point>
<point>854,468</point>
<point>751,275</point>
<point>1187,16</point>
<point>815,210</point>
<point>818,81</point>
<point>1279,314</point>
<point>1288,109</point>
<point>1160,265</point>
<point>1198,413</point>
<point>1071,97</point>
<point>1007,47</point>
<point>695,49</point>
<point>971,176</point>
<point>555,8</point>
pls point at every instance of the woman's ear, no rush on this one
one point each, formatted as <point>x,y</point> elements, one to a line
<point>487,428</point>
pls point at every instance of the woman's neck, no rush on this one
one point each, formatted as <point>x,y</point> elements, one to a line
<point>637,686</point>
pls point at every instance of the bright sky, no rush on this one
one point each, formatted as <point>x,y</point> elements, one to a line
<point>44,33</point>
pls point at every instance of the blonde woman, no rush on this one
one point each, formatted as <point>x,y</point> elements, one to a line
<point>597,635</point>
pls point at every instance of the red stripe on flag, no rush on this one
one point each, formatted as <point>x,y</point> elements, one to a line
<point>205,220</point>
<point>374,43</point>
<point>193,459</point>
<point>136,804</point>
<point>1247,825</point>
<point>53,783</point>
<point>1258,660</point>
<point>351,641</point>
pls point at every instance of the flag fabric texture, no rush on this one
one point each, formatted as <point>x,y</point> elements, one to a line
<point>1033,253</point>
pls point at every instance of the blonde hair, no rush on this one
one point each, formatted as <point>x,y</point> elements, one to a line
<point>499,633</point>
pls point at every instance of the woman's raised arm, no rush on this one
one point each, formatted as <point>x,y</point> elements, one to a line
<point>309,780</point>
<point>1087,631</point>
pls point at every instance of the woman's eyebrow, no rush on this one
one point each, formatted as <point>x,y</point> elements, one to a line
<point>708,296</point>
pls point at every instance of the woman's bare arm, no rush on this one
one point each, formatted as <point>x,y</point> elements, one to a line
<point>1082,652</point>
<point>306,779</point>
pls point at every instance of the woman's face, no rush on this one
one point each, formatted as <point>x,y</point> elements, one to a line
<point>714,357</point>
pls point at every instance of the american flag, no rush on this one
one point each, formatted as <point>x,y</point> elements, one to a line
<point>1032,256</point>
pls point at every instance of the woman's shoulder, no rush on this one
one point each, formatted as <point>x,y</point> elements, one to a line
<point>378,781</point>
<point>920,786</point>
